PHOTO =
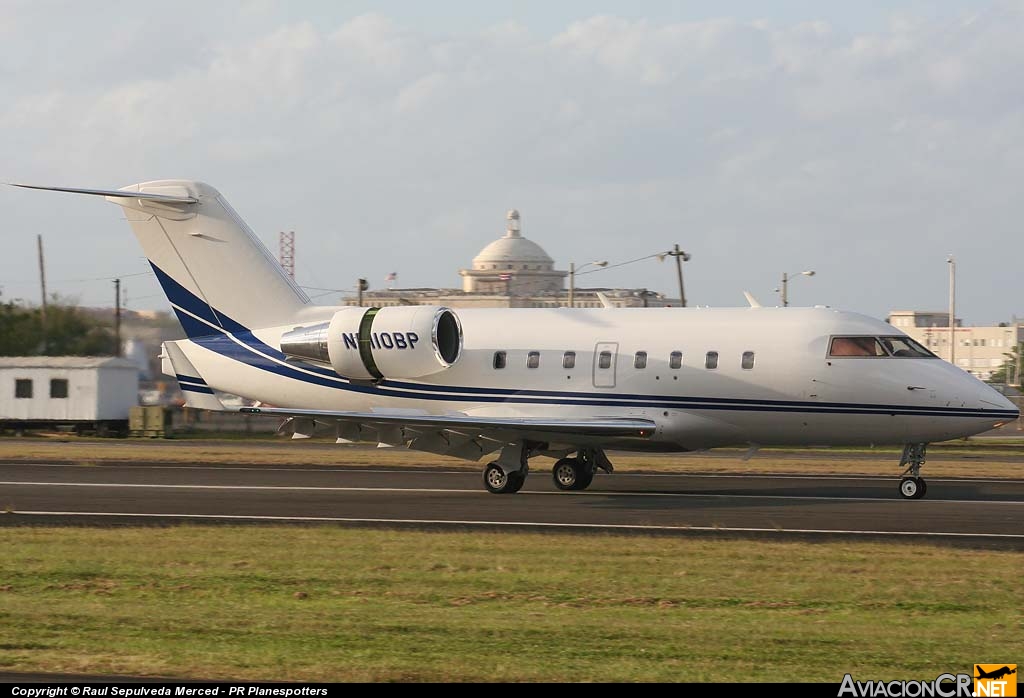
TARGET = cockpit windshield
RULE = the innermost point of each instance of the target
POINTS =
(906, 347)
(856, 346)
(880, 347)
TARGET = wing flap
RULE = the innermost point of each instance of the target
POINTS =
(471, 426)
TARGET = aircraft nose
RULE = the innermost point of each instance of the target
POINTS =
(988, 398)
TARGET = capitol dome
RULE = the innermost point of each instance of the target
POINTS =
(513, 251)
(512, 264)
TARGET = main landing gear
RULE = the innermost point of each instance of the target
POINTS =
(497, 481)
(913, 486)
(507, 475)
(572, 474)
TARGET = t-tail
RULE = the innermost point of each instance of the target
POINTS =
(215, 271)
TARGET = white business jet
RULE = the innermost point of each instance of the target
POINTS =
(565, 383)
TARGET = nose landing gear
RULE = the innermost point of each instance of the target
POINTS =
(912, 485)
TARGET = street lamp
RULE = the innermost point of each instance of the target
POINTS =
(785, 283)
(572, 279)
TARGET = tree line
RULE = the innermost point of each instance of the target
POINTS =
(65, 330)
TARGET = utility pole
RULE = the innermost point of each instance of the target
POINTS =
(117, 317)
(785, 284)
(361, 285)
(42, 283)
(572, 284)
(1020, 360)
(952, 309)
(680, 258)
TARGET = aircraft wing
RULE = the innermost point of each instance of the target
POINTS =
(459, 435)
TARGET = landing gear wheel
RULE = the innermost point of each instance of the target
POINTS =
(516, 481)
(572, 474)
(497, 481)
(586, 476)
(913, 487)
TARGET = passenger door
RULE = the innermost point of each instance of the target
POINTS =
(605, 355)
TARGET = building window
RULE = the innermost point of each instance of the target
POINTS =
(748, 360)
(23, 388)
(675, 360)
(711, 360)
(533, 359)
(569, 359)
(499, 359)
(640, 359)
(604, 359)
(58, 387)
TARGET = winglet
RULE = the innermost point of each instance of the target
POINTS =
(750, 299)
(117, 193)
(605, 303)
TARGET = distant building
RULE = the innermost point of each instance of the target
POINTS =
(67, 390)
(980, 351)
(512, 272)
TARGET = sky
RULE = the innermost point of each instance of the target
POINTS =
(867, 141)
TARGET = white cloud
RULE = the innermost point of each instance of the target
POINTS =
(759, 146)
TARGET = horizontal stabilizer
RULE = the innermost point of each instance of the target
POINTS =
(115, 193)
(197, 393)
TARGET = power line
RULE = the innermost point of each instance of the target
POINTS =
(622, 264)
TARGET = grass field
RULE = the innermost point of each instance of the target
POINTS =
(332, 604)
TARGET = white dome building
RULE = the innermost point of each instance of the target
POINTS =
(513, 265)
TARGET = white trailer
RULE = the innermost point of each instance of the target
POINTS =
(83, 393)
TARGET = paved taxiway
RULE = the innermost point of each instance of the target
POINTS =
(956, 510)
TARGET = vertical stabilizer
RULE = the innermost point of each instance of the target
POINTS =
(212, 267)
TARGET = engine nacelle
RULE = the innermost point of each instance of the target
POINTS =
(408, 341)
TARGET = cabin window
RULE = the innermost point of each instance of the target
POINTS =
(748, 360)
(58, 387)
(640, 359)
(23, 388)
(569, 359)
(675, 360)
(533, 359)
(855, 346)
(604, 359)
(500, 359)
(711, 359)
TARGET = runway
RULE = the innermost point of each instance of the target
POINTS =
(972, 511)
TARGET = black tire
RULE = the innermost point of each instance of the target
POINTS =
(516, 481)
(924, 488)
(567, 474)
(912, 488)
(586, 476)
(497, 481)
